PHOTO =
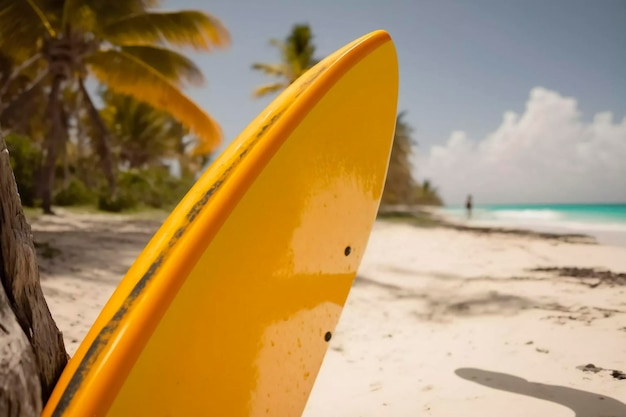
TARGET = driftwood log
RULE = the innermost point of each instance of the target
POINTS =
(32, 352)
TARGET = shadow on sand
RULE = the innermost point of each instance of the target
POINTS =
(583, 403)
(434, 306)
(76, 245)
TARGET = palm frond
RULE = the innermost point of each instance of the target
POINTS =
(16, 72)
(128, 75)
(185, 28)
(21, 30)
(278, 70)
(82, 17)
(266, 89)
(69, 7)
(299, 50)
(282, 47)
(74, 11)
(25, 106)
(42, 17)
(296, 53)
(177, 68)
(140, 122)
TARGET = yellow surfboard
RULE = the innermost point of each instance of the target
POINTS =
(229, 309)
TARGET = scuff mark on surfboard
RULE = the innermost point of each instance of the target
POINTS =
(309, 81)
(199, 205)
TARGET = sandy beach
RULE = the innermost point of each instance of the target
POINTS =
(440, 322)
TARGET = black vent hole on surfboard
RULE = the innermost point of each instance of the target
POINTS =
(327, 336)
(347, 251)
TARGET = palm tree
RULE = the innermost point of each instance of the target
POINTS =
(427, 194)
(123, 44)
(296, 53)
(144, 135)
(400, 185)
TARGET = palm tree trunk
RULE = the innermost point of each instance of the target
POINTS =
(82, 169)
(64, 155)
(32, 353)
(103, 146)
(53, 141)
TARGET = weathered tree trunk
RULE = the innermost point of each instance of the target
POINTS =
(32, 352)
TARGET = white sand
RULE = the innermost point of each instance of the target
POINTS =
(439, 322)
(431, 302)
(90, 255)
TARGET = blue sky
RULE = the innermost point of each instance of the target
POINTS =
(463, 64)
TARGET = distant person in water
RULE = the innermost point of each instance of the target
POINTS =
(468, 206)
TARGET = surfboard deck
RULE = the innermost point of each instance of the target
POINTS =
(229, 309)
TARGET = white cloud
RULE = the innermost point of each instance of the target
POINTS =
(548, 154)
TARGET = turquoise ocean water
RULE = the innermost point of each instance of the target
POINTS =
(605, 222)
